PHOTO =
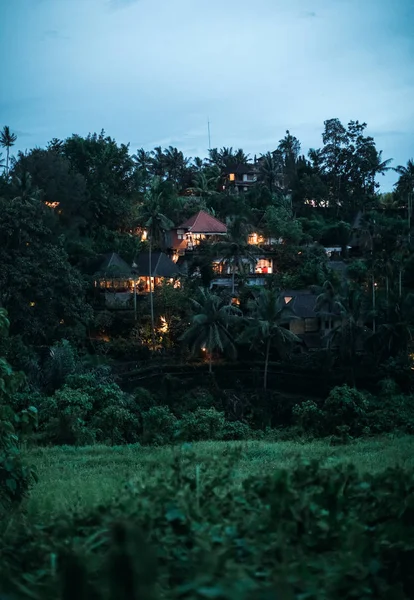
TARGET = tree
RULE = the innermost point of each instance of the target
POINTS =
(289, 148)
(43, 293)
(7, 140)
(210, 325)
(108, 170)
(235, 251)
(267, 325)
(156, 224)
(143, 162)
(328, 302)
(62, 187)
(350, 335)
(405, 183)
(271, 171)
(175, 166)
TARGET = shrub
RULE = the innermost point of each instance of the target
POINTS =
(116, 425)
(305, 532)
(346, 406)
(60, 363)
(143, 399)
(345, 411)
(159, 426)
(203, 424)
(235, 430)
(309, 417)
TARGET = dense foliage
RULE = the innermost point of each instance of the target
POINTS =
(195, 532)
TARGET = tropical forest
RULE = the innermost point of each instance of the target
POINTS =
(206, 371)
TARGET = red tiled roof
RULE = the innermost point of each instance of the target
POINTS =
(202, 222)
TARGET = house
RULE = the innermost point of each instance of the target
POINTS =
(115, 279)
(241, 177)
(199, 227)
(162, 269)
(308, 325)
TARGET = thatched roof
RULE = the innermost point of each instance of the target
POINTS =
(161, 265)
(114, 266)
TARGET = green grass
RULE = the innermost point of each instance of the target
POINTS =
(83, 477)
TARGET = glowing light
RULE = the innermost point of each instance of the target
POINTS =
(32, 303)
(164, 325)
(288, 299)
(52, 204)
(255, 238)
(203, 349)
(232, 177)
(144, 235)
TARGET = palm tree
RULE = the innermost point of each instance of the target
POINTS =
(2, 165)
(205, 186)
(7, 140)
(405, 183)
(158, 162)
(210, 326)
(271, 170)
(327, 302)
(143, 162)
(156, 225)
(26, 191)
(351, 333)
(270, 315)
(175, 164)
(235, 251)
(396, 333)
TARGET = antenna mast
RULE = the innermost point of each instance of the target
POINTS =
(209, 136)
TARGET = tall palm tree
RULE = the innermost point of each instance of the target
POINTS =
(143, 163)
(7, 140)
(2, 165)
(210, 326)
(156, 224)
(405, 183)
(267, 324)
(24, 188)
(175, 164)
(270, 171)
(327, 302)
(351, 333)
(235, 251)
(396, 333)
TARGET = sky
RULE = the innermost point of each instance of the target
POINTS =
(153, 72)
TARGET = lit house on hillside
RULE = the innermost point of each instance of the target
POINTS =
(118, 282)
(196, 229)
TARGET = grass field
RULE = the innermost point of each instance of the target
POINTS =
(82, 477)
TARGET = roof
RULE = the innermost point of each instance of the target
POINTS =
(202, 222)
(161, 265)
(114, 265)
(241, 169)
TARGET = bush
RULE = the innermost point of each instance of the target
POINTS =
(63, 418)
(159, 426)
(203, 424)
(235, 430)
(344, 413)
(128, 349)
(116, 425)
(310, 418)
(195, 531)
(143, 399)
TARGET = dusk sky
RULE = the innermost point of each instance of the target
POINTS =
(151, 72)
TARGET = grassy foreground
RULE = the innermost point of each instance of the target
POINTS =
(80, 478)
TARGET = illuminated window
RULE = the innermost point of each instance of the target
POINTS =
(232, 177)
(264, 265)
(288, 299)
